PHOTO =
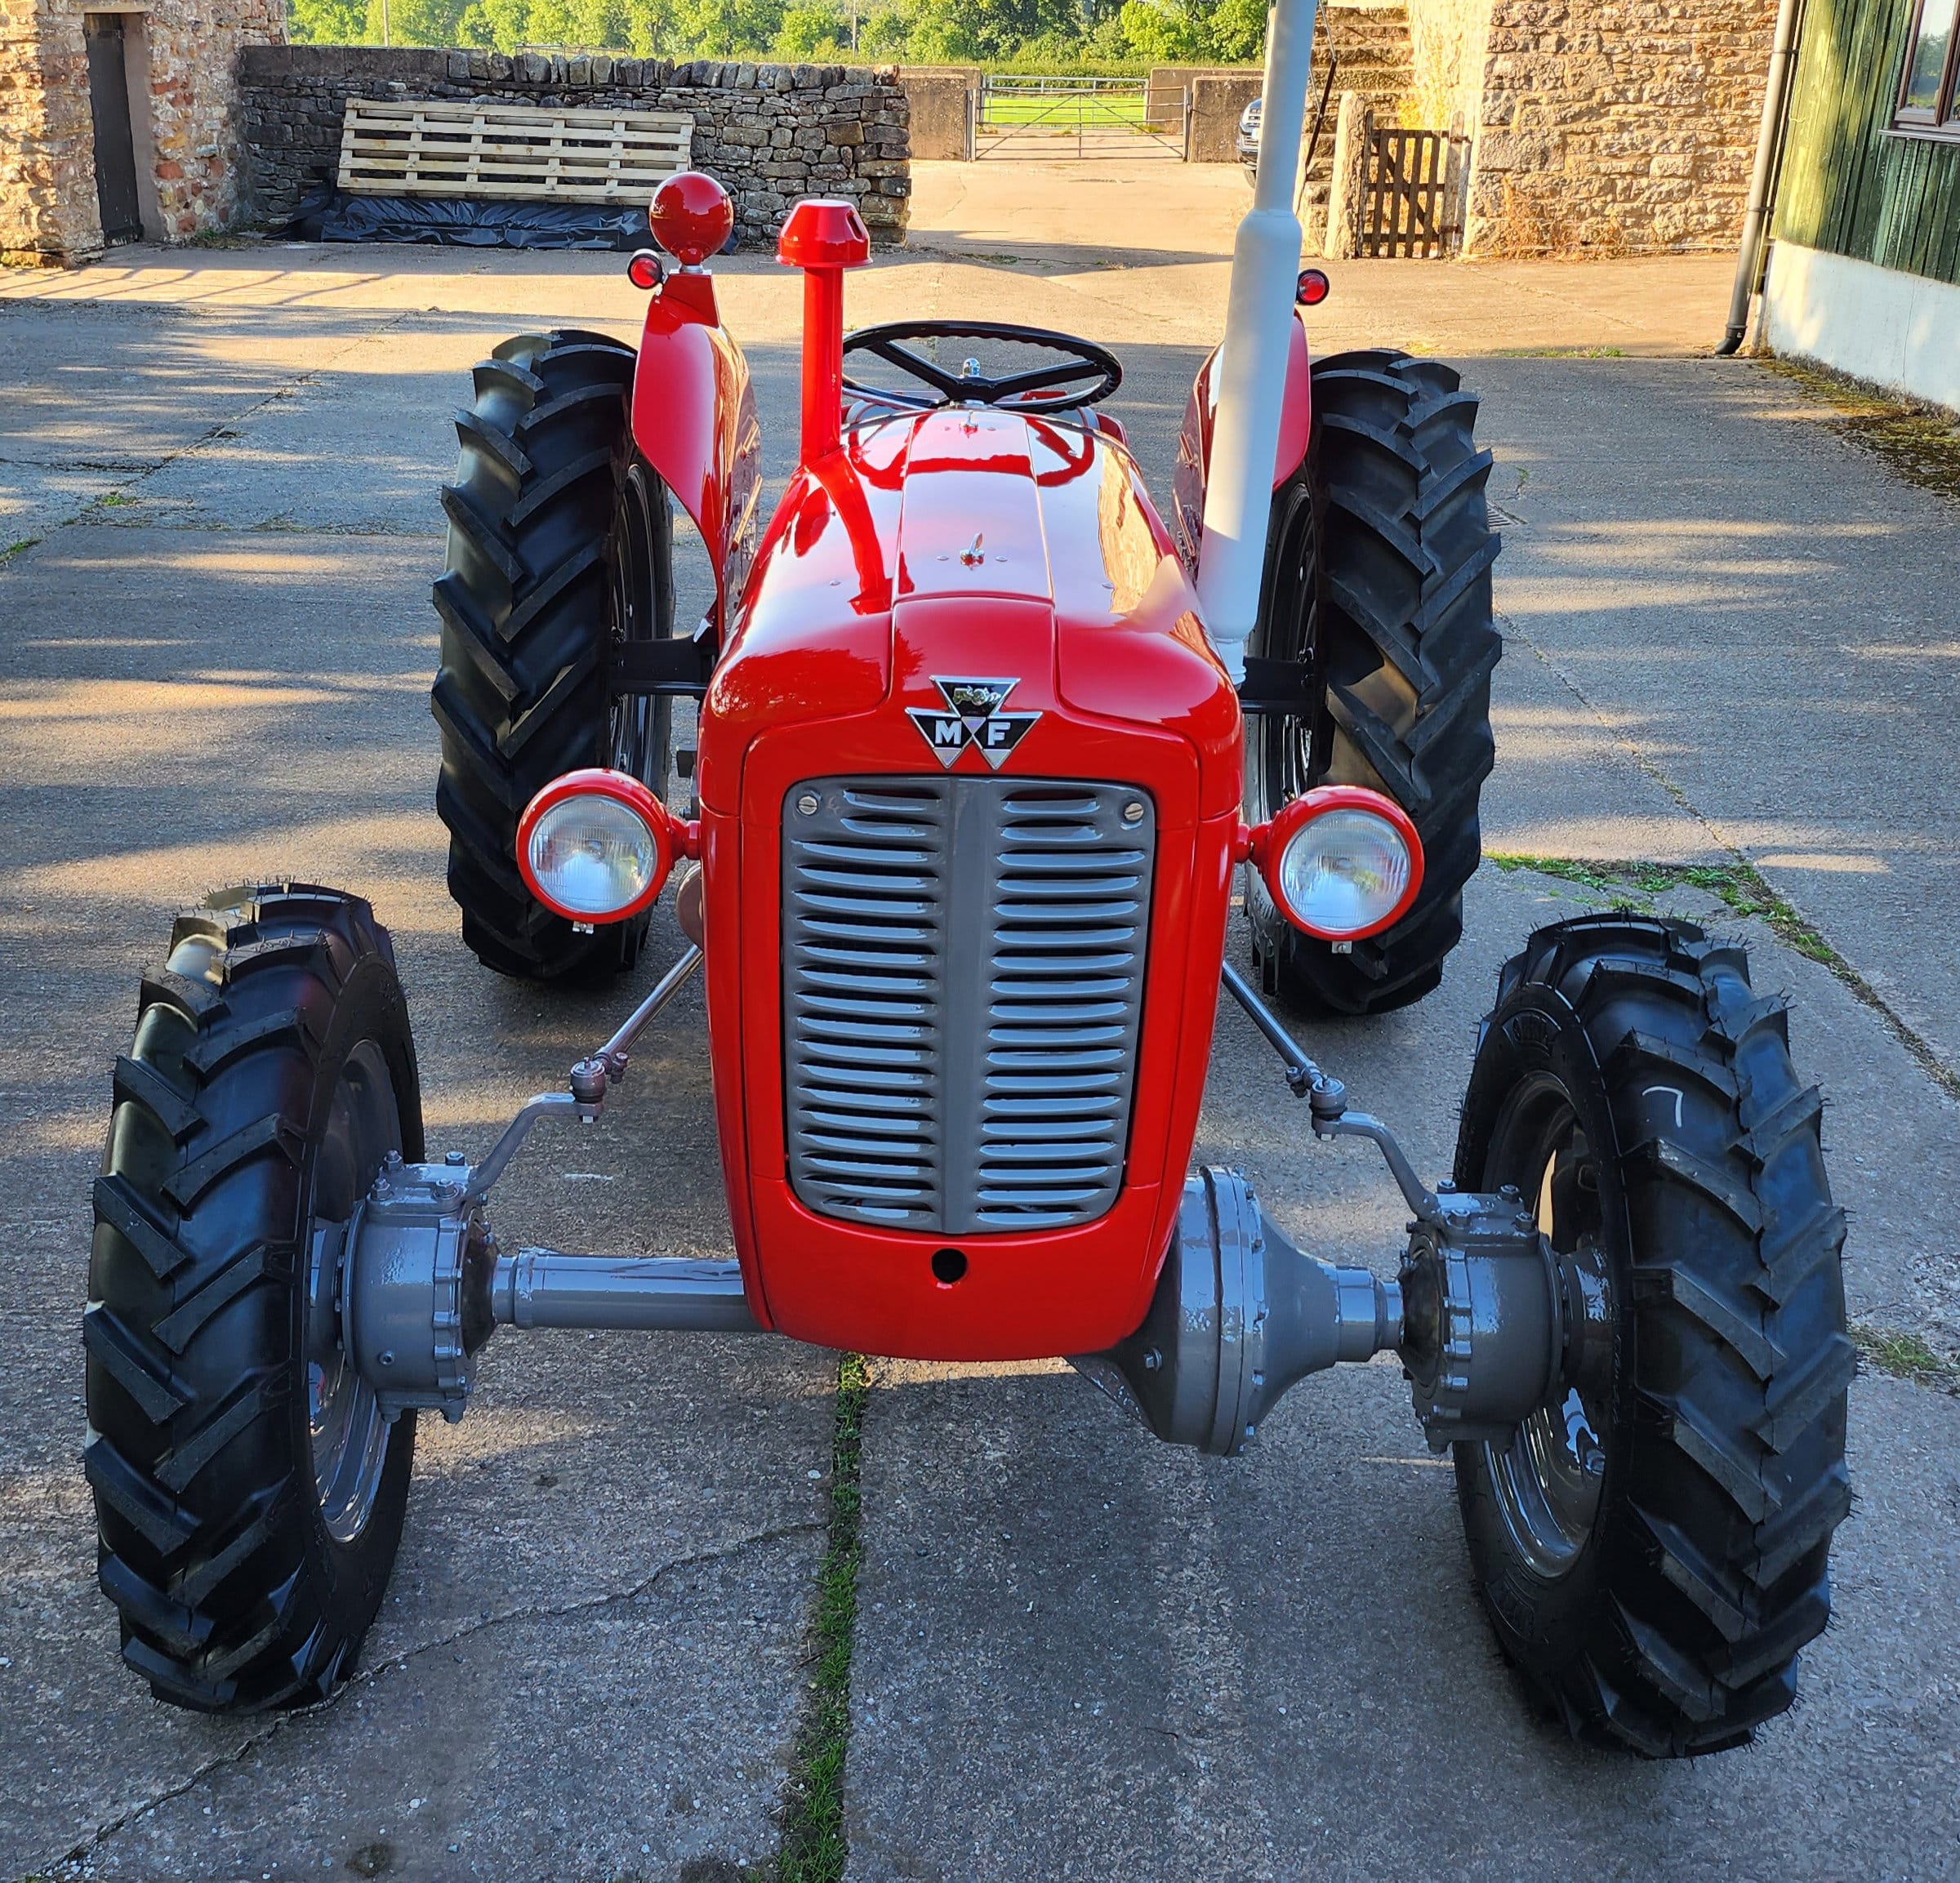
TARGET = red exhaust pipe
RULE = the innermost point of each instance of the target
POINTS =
(823, 236)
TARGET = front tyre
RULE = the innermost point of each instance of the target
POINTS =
(560, 548)
(1377, 592)
(1652, 1545)
(249, 1495)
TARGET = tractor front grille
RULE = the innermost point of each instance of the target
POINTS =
(963, 978)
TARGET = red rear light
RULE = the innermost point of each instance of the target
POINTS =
(645, 270)
(1312, 287)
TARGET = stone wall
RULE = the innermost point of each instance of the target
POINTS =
(941, 101)
(1447, 41)
(1599, 127)
(768, 133)
(1218, 101)
(184, 103)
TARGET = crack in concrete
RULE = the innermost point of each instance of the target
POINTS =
(220, 431)
(134, 466)
(135, 519)
(1922, 1052)
(77, 1854)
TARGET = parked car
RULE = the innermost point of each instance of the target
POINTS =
(1247, 140)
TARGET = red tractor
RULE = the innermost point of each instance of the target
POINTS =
(983, 744)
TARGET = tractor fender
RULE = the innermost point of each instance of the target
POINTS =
(694, 421)
(1194, 442)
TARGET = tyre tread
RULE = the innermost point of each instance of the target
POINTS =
(200, 1523)
(1398, 601)
(520, 697)
(1740, 1356)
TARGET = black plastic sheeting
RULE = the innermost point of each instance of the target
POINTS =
(326, 215)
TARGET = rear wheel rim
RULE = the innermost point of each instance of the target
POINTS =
(349, 1436)
(1549, 1478)
(638, 729)
(1280, 754)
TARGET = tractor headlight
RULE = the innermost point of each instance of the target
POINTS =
(1342, 862)
(595, 846)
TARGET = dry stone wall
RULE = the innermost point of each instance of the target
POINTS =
(182, 54)
(769, 134)
(1602, 127)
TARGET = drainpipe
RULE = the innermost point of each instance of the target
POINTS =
(1250, 370)
(1769, 151)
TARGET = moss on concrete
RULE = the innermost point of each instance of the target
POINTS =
(813, 1846)
(1918, 442)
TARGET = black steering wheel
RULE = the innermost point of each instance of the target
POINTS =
(1041, 389)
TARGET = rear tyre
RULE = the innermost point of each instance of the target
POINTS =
(560, 547)
(1652, 1546)
(248, 1495)
(1378, 578)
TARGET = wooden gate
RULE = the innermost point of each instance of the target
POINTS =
(1404, 195)
(1049, 119)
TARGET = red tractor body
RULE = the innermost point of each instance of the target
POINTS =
(931, 548)
(980, 749)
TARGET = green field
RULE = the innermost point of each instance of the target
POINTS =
(1064, 111)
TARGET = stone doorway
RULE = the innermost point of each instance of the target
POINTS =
(116, 195)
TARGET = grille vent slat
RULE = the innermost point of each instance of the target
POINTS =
(1064, 990)
(963, 964)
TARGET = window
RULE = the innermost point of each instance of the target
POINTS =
(1927, 90)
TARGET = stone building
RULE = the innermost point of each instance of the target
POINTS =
(1600, 126)
(119, 119)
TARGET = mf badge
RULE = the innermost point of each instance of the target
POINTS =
(973, 717)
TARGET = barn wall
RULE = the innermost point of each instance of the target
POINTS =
(1850, 185)
(1598, 127)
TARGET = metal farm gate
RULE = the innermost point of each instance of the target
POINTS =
(1054, 119)
(1405, 201)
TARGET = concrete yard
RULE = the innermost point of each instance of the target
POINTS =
(1731, 638)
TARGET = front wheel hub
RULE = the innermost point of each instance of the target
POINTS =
(1485, 1319)
(415, 1302)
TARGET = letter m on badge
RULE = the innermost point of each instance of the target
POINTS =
(973, 717)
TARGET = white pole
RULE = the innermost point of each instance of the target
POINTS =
(1250, 371)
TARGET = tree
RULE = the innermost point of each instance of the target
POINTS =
(1179, 31)
(960, 32)
(813, 31)
(329, 22)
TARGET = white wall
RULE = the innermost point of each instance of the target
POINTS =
(1899, 330)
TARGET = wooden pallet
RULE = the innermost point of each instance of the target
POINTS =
(477, 148)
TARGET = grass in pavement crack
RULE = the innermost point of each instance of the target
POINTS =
(1633, 885)
(1904, 1356)
(1736, 883)
(813, 1846)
